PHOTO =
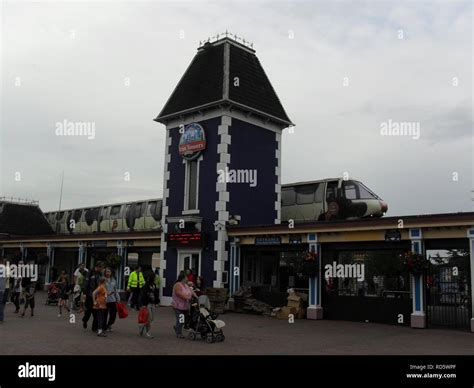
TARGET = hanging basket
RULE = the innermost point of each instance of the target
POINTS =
(414, 263)
(310, 264)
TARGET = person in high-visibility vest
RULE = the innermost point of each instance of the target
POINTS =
(136, 281)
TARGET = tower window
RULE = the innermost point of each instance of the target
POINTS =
(191, 185)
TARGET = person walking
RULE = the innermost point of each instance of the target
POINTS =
(99, 297)
(91, 284)
(182, 294)
(30, 290)
(3, 295)
(148, 298)
(16, 293)
(135, 282)
(113, 298)
(64, 291)
(80, 272)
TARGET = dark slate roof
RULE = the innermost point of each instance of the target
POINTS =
(209, 81)
(255, 89)
(200, 84)
(23, 220)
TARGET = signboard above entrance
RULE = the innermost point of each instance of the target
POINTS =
(192, 141)
(195, 239)
(276, 240)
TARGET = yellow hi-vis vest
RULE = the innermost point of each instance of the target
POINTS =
(134, 280)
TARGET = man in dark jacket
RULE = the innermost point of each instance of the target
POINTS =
(91, 284)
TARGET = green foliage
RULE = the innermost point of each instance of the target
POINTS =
(113, 260)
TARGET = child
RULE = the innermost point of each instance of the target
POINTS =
(64, 299)
(99, 296)
(29, 298)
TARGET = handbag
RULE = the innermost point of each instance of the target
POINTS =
(143, 315)
(122, 311)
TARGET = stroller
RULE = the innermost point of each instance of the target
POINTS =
(76, 304)
(203, 323)
(53, 294)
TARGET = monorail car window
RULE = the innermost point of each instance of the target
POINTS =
(305, 194)
(91, 215)
(157, 215)
(103, 212)
(60, 216)
(140, 209)
(351, 191)
(288, 196)
(115, 211)
(331, 191)
(365, 193)
(151, 208)
(154, 210)
(76, 215)
(319, 193)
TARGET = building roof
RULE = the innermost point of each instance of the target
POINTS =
(23, 220)
(211, 80)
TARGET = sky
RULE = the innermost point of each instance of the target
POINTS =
(342, 70)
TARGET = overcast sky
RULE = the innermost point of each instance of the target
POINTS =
(341, 70)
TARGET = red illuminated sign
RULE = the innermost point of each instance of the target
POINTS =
(185, 239)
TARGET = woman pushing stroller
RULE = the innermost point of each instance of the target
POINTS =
(182, 295)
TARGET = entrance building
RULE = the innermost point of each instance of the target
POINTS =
(222, 160)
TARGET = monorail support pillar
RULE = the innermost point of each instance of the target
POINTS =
(82, 253)
(470, 235)
(234, 270)
(315, 310)
(50, 254)
(122, 252)
(418, 316)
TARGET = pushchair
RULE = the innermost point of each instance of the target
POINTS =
(53, 294)
(76, 304)
(203, 323)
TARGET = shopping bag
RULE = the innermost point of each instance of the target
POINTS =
(143, 315)
(122, 311)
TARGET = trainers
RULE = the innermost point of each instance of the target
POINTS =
(60, 315)
(179, 336)
(109, 329)
(100, 333)
(148, 335)
(84, 325)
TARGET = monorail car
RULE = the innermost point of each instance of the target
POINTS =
(121, 217)
(329, 199)
(326, 199)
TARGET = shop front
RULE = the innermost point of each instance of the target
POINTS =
(366, 284)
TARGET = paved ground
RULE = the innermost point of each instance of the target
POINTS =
(245, 335)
